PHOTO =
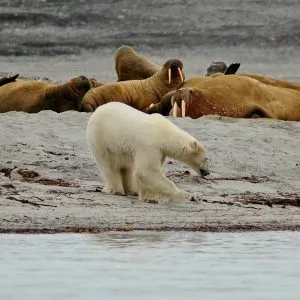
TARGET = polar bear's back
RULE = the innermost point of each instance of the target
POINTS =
(119, 128)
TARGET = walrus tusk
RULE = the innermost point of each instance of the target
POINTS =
(172, 101)
(183, 105)
(180, 74)
(169, 73)
(151, 105)
(175, 109)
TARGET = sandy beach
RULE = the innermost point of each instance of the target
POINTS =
(50, 182)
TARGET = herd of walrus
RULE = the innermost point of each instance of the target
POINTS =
(160, 89)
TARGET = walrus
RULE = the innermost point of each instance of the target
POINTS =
(220, 68)
(5, 80)
(216, 67)
(33, 96)
(164, 106)
(137, 93)
(239, 97)
(131, 66)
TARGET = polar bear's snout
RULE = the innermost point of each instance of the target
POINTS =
(204, 168)
(204, 172)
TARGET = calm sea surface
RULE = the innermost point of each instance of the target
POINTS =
(151, 265)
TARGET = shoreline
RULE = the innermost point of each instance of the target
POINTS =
(98, 231)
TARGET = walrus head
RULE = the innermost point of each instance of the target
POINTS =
(180, 100)
(216, 67)
(174, 69)
(68, 96)
(124, 50)
(130, 65)
(80, 85)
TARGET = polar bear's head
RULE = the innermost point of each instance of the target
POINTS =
(196, 158)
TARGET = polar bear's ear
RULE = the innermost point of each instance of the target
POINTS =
(196, 147)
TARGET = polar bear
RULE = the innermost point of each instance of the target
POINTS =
(131, 146)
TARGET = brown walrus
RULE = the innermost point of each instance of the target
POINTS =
(34, 96)
(5, 80)
(137, 93)
(239, 97)
(131, 66)
(164, 106)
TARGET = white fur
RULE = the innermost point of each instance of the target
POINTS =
(130, 148)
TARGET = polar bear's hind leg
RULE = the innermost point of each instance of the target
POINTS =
(113, 180)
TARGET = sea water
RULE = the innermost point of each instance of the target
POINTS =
(150, 265)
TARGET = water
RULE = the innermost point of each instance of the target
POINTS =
(151, 265)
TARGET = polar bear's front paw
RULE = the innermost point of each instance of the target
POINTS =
(120, 193)
(181, 197)
(113, 191)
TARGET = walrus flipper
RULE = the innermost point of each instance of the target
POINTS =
(5, 80)
(232, 69)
